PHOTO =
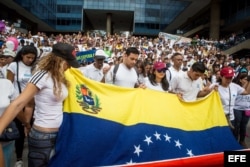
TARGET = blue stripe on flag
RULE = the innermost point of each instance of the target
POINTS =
(89, 141)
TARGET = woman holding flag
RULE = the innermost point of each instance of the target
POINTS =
(49, 87)
(157, 80)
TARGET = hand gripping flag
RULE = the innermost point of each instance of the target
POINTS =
(107, 125)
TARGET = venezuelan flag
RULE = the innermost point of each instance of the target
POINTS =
(106, 125)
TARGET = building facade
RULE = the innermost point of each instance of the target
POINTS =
(147, 17)
(209, 18)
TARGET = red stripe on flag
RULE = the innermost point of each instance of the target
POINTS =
(208, 160)
(215, 160)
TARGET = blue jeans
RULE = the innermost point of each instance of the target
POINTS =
(240, 125)
(8, 150)
(41, 147)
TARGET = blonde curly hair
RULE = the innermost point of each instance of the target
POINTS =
(55, 67)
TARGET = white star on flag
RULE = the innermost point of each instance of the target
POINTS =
(130, 162)
(189, 152)
(178, 144)
(148, 140)
(167, 138)
(137, 150)
(157, 135)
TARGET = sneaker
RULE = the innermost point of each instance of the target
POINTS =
(19, 163)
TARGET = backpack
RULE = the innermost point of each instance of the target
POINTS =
(170, 75)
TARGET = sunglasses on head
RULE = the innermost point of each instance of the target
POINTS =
(161, 70)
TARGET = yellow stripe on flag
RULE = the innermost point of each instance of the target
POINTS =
(151, 107)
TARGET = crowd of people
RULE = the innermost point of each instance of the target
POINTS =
(32, 77)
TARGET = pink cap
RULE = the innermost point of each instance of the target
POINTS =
(227, 72)
(159, 66)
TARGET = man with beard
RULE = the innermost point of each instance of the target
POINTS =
(125, 74)
(98, 69)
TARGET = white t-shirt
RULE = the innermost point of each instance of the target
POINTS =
(46, 49)
(171, 73)
(92, 72)
(125, 77)
(157, 87)
(3, 71)
(213, 79)
(48, 109)
(24, 74)
(109, 77)
(189, 88)
(226, 94)
(7, 94)
(242, 102)
(142, 79)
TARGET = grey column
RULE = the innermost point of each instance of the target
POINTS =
(215, 20)
(108, 23)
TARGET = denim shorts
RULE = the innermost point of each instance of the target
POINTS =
(41, 147)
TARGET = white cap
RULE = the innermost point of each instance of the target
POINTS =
(100, 54)
(8, 52)
(110, 60)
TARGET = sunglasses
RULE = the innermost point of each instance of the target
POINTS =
(161, 70)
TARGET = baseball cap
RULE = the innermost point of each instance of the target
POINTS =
(243, 70)
(65, 51)
(8, 52)
(227, 72)
(159, 66)
(100, 54)
(110, 60)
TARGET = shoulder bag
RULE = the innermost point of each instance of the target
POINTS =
(10, 132)
(228, 115)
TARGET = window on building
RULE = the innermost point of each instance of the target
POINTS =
(63, 9)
